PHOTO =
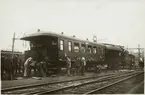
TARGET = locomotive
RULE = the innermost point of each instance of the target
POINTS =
(55, 47)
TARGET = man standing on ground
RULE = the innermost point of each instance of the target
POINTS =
(83, 64)
(78, 65)
(15, 64)
(26, 66)
(68, 67)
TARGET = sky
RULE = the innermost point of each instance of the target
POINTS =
(120, 22)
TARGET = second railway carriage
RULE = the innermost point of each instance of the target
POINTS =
(113, 56)
(55, 47)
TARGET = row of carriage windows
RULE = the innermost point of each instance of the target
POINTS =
(76, 47)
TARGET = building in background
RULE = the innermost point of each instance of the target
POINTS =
(9, 53)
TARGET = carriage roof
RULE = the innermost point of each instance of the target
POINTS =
(52, 34)
(114, 47)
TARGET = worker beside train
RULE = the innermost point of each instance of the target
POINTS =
(7, 68)
(83, 64)
(40, 67)
(15, 64)
(2, 66)
(78, 65)
(27, 65)
(37, 66)
(11, 67)
(18, 65)
(68, 65)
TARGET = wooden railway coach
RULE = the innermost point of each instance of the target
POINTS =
(113, 56)
(55, 47)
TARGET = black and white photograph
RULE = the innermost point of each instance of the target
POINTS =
(72, 46)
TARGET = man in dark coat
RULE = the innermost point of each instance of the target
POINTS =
(8, 67)
(2, 66)
(15, 65)
(78, 65)
(83, 64)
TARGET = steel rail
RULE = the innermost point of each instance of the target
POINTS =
(66, 87)
(76, 85)
(48, 83)
(111, 84)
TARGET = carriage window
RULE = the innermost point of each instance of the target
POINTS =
(89, 49)
(32, 45)
(69, 46)
(83, 48)
(94, 50)
(120, 54)
(76, 47)
(102, 50)
(98, 50)
(54, 43)
(61, 44)
(35, 45)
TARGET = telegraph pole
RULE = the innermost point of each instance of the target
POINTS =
(127, 48)
(139, 51)
(13, 43)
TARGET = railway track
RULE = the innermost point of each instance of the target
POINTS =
(60, 86)
(108, 86)
(46, 83)
(82, 88)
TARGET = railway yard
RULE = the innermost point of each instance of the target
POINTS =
(72, 47)
(120, 82)
(60, 64)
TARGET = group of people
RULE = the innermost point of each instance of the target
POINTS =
(79, 65)
(39, 68)
(11, 67)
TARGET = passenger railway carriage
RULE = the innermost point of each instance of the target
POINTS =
(56, 46)
(113, 56)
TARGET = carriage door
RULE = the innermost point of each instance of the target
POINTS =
(52, 50)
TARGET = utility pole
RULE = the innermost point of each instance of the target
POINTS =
(139, 51)
(127, 47)
(13, 43)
